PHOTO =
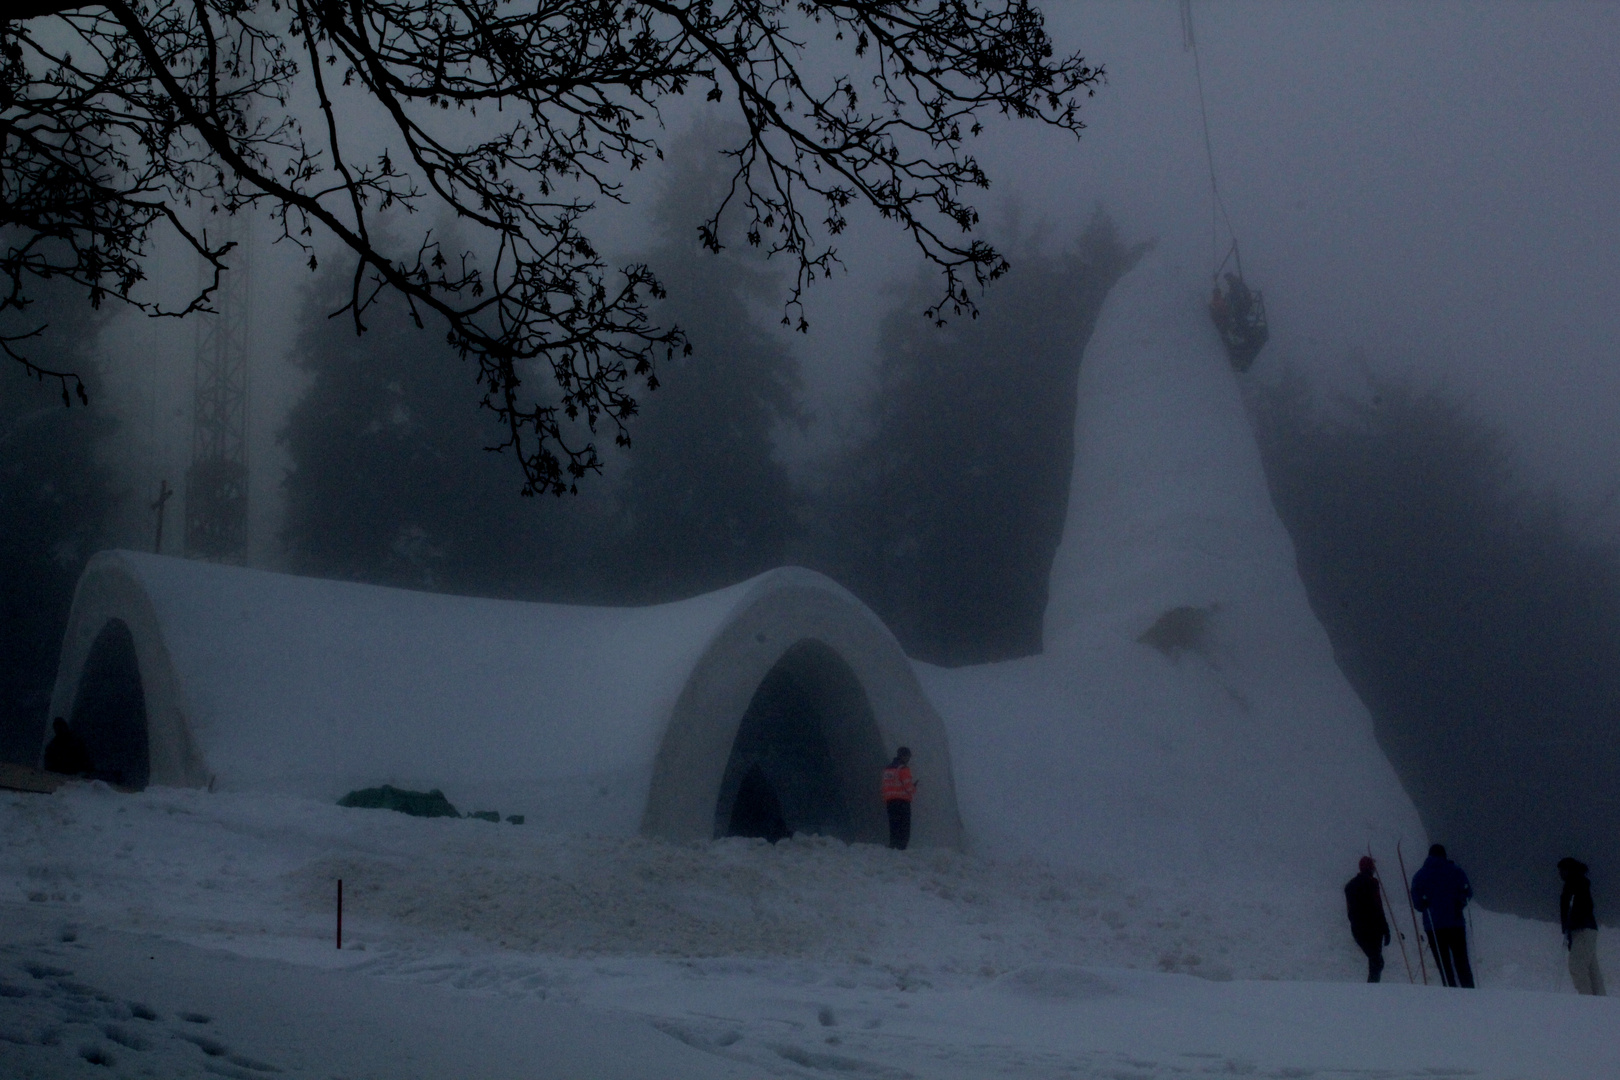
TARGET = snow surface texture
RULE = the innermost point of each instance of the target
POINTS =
(1187, 714)
(584, 718)
(176, 933)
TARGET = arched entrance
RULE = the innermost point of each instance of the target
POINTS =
(109, 710)
(806, 755)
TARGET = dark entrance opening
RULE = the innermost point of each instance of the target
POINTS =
(109, 711)
(805, 754)
(757, 811)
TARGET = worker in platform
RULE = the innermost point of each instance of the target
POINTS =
(1217, 309)
(1239, 303)
(899, 788)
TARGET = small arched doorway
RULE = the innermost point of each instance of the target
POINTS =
(109, 710)
(806, 756)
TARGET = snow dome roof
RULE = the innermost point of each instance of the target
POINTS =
(594, 719)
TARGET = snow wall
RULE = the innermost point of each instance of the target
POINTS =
(583, 719)
(1187, 712)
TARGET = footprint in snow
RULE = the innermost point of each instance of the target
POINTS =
(124, 1037)
(823, 1061)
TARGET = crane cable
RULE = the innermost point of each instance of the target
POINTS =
(1217, 209)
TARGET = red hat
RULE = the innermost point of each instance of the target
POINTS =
(1367, 864)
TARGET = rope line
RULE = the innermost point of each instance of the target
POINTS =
(1217, 208)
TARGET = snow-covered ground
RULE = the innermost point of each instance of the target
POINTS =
(480, 949)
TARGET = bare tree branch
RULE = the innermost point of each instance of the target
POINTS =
(120, 119)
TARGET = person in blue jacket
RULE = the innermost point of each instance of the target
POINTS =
(1440, 890)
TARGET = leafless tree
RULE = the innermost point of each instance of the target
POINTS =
(123, 118)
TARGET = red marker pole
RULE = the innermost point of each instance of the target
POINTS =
(340, 914)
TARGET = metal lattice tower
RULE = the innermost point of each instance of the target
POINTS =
(217, 481)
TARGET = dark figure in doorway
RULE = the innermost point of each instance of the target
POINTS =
(66, 752)
(1440, 890)
(899, 788)
(757, 811)
(1579, 920)
(1367, 923)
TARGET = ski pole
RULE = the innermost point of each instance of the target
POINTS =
(1471, 948)
(1407, 889)
(1390, 910)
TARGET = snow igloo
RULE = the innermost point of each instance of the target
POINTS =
(766, 708)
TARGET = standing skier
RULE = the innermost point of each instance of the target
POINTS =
(1440, 890)
(1579, 921)
(899, 788)
(1367, 923)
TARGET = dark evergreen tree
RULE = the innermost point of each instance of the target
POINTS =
(946, 518)
(55, 503)
(705, 501)
(391, 481)
(1480, 628)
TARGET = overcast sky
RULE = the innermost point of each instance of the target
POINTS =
(1437, 184)
(1432, 184)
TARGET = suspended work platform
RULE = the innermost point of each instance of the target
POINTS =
(1239, 313)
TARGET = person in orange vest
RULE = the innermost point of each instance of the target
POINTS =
(899, 787)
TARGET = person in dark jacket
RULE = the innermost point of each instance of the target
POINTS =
(66, 752)
(1368, 926)
(1440, 890)
(1579, 920)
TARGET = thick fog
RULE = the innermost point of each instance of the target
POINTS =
(1425, 193)
(1427, 186)
(1429, 183)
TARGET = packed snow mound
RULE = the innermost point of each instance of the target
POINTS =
(1168, 503)
(492, 905)
(581, 719)
(1187, 712)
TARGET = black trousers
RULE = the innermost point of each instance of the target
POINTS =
(899, 823)
(1451, 954)
(1373, 946)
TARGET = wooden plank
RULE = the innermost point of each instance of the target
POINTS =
(26, 778)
